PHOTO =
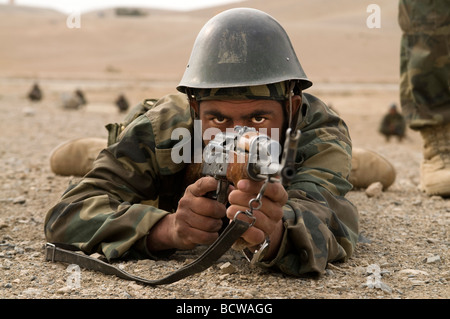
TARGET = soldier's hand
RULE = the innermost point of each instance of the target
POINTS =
(268, 217)
(196, 221)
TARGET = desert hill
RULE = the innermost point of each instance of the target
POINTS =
(331, 39)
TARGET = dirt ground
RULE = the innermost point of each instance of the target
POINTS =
(404, 238)
(403, 253)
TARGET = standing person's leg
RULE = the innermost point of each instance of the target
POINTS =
(425, 85)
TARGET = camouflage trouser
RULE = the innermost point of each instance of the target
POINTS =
(425, 61)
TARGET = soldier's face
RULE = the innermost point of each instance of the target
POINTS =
(224, 115)
(260, 114)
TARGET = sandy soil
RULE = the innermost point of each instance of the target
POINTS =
(404, 232)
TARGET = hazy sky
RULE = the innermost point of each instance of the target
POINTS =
(68, 6)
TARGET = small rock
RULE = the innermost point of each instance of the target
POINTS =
(19, 250)
(414, 272)
(125, 295)
(374, 189)
(134, 286)
(385, 287)
(416, 282)
(64, 290)
(223, 276)
(188, 261)
(28, 111)
(363, 239)
(329, 272)
(19, 200)
(227, 268)
(417, 202)
(248, 295)
(432, 259)
(32, 292)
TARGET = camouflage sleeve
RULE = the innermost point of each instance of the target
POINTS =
(107, 211)
(321, 225)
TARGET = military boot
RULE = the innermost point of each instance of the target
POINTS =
(435, 167)
(76, 157)
(369, 167)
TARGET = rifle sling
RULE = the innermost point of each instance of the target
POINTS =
(226, 239)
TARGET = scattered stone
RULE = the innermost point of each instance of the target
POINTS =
(125, 295)
(329, 272)
(248, 295)
(334, 267)
(432, 259)
(385, 288)
(64, 290)
(227, 268)
(19, 200)
(28, 111)
(374, 189)
(363, 239)
(32, 292)
(417, 202)
(188, 261)
(134, 286)
(223, 276)
(414, 272)
(416, 282)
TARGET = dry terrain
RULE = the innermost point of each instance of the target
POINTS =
(404, 233)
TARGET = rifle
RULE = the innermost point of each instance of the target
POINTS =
(245, 153)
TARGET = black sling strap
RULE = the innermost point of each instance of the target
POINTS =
(226, 239)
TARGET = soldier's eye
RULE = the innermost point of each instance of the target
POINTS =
(219, 120)
(258, 119)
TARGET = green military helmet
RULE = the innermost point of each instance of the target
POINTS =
(242, 47)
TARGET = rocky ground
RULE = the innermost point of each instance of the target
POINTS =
(405, 234)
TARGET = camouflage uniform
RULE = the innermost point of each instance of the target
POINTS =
(425, 62)
(135, 183)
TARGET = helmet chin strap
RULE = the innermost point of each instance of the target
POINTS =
(293, 118)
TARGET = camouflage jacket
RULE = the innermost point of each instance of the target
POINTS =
(134, 183)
